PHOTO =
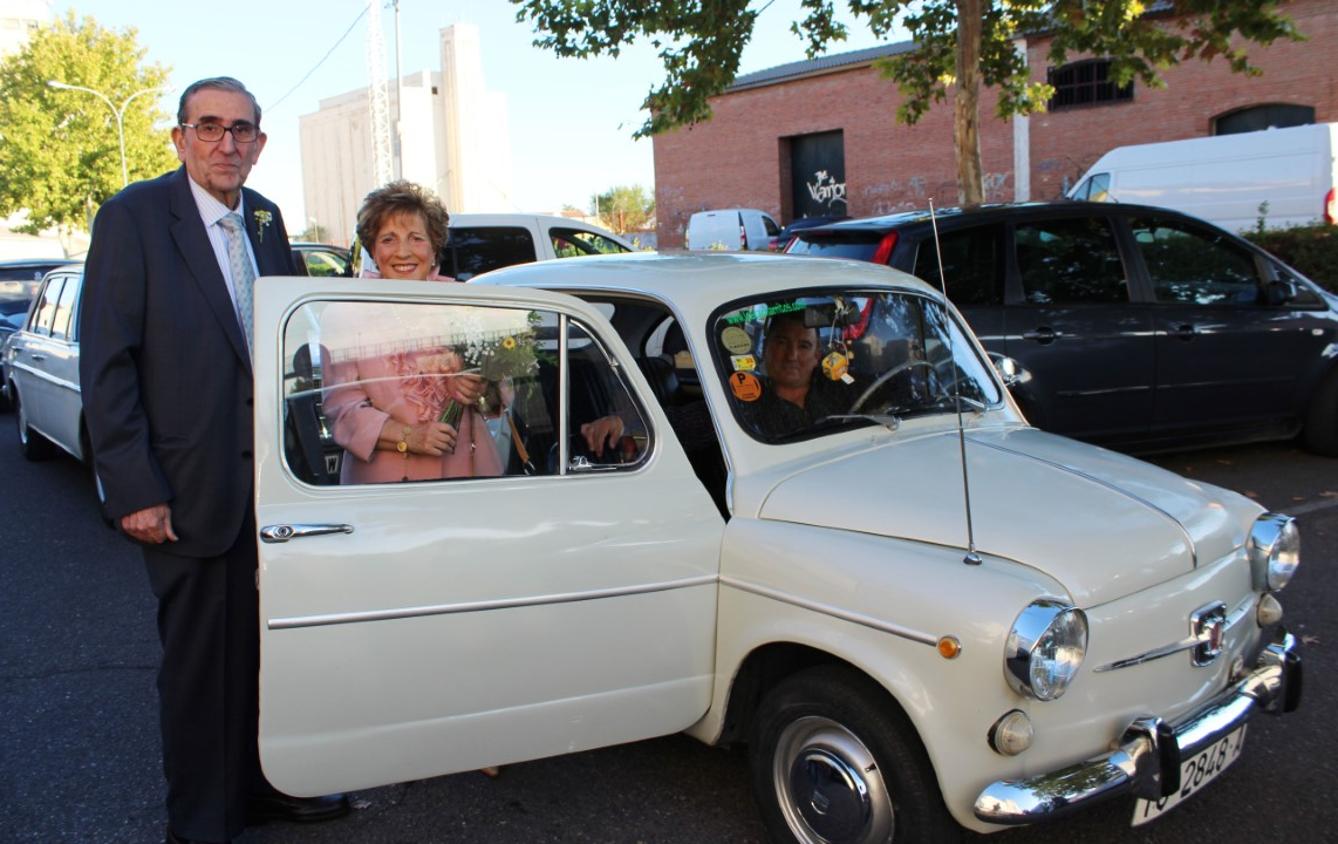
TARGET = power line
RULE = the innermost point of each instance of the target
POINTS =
(316, 67)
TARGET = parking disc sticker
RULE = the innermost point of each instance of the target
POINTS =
(736, 340)
(746, 386)
(743, 363)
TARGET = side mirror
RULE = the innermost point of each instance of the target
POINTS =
(1010, 371)
(1279, 292)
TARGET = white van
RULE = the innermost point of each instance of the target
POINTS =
(731, 229)
(1225, 179)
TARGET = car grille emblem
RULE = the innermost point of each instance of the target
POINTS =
(1206, 625)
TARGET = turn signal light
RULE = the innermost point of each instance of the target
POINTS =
(949, 647)
(1012, 733)
(1269, 611)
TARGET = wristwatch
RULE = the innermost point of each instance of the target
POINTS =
(403, 446)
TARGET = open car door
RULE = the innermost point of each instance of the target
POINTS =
(538, 601)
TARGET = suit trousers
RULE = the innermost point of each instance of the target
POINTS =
(208, 685)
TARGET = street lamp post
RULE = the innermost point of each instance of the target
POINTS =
(119, 112)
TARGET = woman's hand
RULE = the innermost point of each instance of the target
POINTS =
(430, 438)
(467, 388)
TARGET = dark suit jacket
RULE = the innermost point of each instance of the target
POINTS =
(163, 365)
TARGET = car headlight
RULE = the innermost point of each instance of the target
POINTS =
(1045, 648)
(1275, 551)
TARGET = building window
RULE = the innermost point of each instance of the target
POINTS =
(1270, 116)
(1085, 83)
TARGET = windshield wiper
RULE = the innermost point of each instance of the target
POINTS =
(887, 420)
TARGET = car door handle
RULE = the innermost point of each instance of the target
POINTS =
(1043, 335)
(37, 357)
(283, 533)
(1186, 331)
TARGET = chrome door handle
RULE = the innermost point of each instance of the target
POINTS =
(36, 356)
(1043, 335)
(283, 533)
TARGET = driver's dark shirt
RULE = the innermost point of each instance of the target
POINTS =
(772, 417)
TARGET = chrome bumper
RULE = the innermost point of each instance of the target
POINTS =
(1147, 762)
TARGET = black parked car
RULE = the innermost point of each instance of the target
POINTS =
(1136, 327)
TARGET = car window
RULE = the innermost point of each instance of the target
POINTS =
(972, 265)
(771, 227)
(363, 377)
(45, 312)
(1095, 188)
(62, 326)
(324, 264)
(479, 249)
(572, 243)
(1195, 266)
(797, 367)
(859, 246)
(1070, 261)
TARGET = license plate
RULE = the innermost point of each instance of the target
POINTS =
(1195, 773)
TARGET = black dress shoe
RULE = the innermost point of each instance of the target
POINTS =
(281, 807)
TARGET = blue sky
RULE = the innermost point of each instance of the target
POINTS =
(571, 120)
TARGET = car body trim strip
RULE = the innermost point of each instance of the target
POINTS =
(484, 606)
(1189, 540)
(1235, 617)
(834, 612)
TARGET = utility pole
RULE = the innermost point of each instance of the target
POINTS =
(399, 99)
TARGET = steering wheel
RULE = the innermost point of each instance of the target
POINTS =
(884, 378)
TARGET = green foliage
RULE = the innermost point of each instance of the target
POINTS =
(59, 152)
(700, 42)
(625, 208)
(1313, 250)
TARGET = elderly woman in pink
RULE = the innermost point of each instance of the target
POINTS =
(386, 409)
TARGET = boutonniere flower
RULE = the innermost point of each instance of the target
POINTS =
(263, 219)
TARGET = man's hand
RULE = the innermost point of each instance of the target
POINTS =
(604, 430)
(152, 525)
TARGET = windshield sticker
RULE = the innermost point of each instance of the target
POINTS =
(736, 340)
(743, 363)
(759, 315)
(746, 386)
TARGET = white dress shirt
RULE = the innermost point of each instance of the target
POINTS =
(211, 211)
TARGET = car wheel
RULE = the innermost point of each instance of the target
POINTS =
(834, 761)
(33, 445)
(1321, 424)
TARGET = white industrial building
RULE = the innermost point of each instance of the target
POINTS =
(455, 140)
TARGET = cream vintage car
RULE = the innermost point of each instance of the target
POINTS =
(921, 613)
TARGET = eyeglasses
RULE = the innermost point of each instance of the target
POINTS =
(242, 133)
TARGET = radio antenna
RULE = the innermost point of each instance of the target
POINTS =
(971, 558)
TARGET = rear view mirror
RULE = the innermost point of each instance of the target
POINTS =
(1010, 371)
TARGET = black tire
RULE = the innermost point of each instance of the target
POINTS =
(33, 445)
(1321, 425)
(821, 735)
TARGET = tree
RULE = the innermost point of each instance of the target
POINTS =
(625, 208)
(60, 155)
(700, 42)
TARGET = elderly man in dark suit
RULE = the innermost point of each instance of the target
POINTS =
(165, 367)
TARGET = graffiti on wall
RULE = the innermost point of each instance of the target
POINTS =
(914, 192)
(825, 190)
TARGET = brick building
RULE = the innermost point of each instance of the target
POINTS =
(798, 139)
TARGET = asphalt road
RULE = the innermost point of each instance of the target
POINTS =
(80, 750)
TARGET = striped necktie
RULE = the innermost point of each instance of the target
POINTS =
(243, 275)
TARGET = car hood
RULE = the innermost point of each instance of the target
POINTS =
(1102, 524)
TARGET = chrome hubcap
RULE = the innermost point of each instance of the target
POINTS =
(829, 786)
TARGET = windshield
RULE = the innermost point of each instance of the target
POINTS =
(801, 366)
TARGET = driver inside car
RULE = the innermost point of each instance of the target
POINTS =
(795, 393)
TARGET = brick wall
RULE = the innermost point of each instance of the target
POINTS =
(737, 158)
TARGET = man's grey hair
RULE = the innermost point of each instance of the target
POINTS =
(216, 83)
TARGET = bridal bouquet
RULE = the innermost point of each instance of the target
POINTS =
(495, 357)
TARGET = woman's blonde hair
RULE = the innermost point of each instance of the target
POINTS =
(402, 197)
